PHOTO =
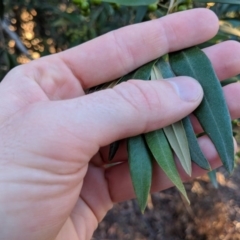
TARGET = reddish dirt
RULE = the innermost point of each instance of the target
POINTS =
(213, 214)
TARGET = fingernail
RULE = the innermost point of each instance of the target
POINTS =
(188, 89)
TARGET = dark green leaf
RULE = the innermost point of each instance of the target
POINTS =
(161, 151)
(141, 12)
(144, 72)
(195, 151)
(139, 155)
(113, 83)
(219, 1)
(113, 150)
(230, 80)
(212, 113)
(213, 177)
(140, 164)
(132, 2)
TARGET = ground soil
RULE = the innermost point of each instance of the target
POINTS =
(213, 214)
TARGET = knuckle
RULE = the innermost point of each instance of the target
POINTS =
(125, 54)
(140, 95)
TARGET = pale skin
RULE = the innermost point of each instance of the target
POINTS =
(54, 138)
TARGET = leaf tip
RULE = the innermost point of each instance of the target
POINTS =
(143, 210)
(229, 165)
(188, 171)
(113, 150)
(142, 205)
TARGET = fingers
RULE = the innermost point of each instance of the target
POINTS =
(119, 180)
(60, 82)
(100, 118)
(219, 53)
(119, 52)
(232, 97)
(135, 107)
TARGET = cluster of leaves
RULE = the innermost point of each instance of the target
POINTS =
(34, 28)
(180, 137)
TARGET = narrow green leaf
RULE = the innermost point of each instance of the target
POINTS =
(230, 81)
(113, 150)
(140, 164)
(162, 152)
(113, 83)
(156, 74)
(144, 72)
(132, 2)
(212, 113)
(195, 151)
(177, 138)
(141, 12)
(108, 85)
(164, 67)
(213, 177)
(126, 77)
(175, 133)
(218, 1)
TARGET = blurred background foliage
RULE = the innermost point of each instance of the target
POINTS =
(30, 29)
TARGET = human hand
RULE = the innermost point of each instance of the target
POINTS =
(54, 138)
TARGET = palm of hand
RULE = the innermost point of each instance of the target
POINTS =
(56, 164)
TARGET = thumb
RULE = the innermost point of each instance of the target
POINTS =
(135, 107)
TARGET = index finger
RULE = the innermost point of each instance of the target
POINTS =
(119, 52)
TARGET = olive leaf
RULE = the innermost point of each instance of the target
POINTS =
(132, 2)
(160, 149)
(175, 133)
(177, 138)
(140, 13)
(125, 77)
(113, 150)
(230, 80)
(218, 1)
(144, 72)
(156, 74)
(140, 164)
(213, 177)
(196, 153)
(212, 113)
